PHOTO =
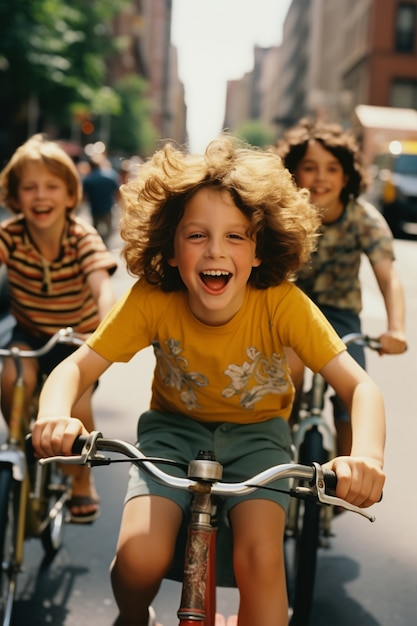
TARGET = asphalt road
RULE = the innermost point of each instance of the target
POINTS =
(368, 576)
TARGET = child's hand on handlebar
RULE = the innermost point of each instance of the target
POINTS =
(55, 436)
(392, 342)
(359, 479)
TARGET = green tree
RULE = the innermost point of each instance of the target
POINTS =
(256, 133)
(52, 61)
(132, 131)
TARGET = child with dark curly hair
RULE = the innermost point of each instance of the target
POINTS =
(214, 240)
(325, 159)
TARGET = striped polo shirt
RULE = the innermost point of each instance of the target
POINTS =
(46, 296)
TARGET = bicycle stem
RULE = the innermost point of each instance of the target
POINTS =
(198, 587)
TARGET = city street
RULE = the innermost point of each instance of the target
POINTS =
(368, 576)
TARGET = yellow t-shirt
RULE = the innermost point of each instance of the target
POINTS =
(236, 372)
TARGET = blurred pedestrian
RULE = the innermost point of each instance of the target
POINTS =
(59, 275)
(325, 159)
(101, 191)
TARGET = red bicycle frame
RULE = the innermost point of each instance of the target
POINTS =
(198, 598)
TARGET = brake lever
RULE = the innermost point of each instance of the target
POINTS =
(325, 498)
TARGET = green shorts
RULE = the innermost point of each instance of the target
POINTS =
(242, 449)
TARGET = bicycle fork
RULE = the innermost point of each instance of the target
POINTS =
(198, 598)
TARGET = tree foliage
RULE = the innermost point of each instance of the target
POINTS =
(53, 65)
(131, 131)
(256, 133)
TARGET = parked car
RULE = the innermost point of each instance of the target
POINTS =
(394, 187)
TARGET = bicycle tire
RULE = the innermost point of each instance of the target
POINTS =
(55, 487)
(307, 538)
(9, 499)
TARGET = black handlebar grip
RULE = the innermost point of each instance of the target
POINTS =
(78, 445)
(30, 450)
(330, 480)
(31, 459)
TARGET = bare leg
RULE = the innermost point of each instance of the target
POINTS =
(145, 549)
(258, 528)
(82, 479)
(8, 379)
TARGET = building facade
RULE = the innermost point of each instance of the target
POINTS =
(337, 54)
(146, 25)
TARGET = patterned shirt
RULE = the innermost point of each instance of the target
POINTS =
(236, 372)
(331, 277)
(46, 296)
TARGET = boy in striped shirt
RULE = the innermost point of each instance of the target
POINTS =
(58, 272)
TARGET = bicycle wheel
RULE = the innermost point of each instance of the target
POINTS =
(55, 491)
(307, 538)
(9, 499)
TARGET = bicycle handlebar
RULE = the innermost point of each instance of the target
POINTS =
(362, 340)
(86, 452)
(64, 335)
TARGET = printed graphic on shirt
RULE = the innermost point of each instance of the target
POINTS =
(172, 369)
(332, 275)
(255, 378)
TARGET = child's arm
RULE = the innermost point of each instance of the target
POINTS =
(56, 428)
(360, 476)
(102, 290)
(393, 341)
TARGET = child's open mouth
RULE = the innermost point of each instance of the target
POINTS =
(42, 210)
(215, 279)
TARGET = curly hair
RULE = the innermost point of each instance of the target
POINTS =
(335, 139)
(38, 149)
(282, 221)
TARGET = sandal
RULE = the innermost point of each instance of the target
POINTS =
(83, 518)
(152, 617)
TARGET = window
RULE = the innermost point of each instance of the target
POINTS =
(405, 28)
(404, 94)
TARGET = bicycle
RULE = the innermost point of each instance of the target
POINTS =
(309, 527)
(32, 497)
(198, 597)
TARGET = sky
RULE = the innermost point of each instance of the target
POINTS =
(215, 41)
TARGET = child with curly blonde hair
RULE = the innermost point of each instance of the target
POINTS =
(214, 240)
